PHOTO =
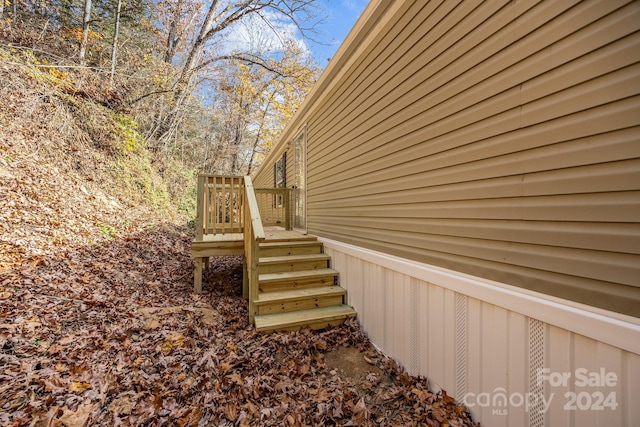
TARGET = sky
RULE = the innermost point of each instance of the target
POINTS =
(342, 15)
(268, 31)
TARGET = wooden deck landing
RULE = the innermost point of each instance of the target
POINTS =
(233, 244)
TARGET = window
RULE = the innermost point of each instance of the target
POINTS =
(280, 172)
(280, 179)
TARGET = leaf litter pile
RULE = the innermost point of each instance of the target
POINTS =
(99, 326)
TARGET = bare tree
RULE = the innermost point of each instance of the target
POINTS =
(114, 44)
(86, 18)
(219, 18)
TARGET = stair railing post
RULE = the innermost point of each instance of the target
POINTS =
(287, 209)
(253, 235)
(199, 225)
(200, 217)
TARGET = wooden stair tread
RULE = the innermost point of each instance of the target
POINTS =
(297, 319)
(279, 235)
(293, 258)
(298, 294)
(296, 275)
(312, 241)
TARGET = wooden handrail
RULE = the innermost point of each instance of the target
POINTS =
(252, 204)
(253, 235)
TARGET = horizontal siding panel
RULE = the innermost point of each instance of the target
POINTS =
(492, 137)
(621, 298)
(608, 207)
(419, 73)
(420, 99)
(611, 56)
(626, 82)
(604, 266)
(625, 299)
(607, 177)
(520, 172)
(402, 44)
(609, 88)
(623, 238)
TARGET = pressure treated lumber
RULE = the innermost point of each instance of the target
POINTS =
(299, 299)
(317, 318)
(297, 279)
(293, 262)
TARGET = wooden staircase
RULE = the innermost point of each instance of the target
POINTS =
(297, 288)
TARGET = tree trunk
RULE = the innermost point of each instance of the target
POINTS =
(85, 30)
(173, 37)
(256, 141)
(165, 125)
(114, 44)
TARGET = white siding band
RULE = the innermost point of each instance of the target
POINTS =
(608, 327)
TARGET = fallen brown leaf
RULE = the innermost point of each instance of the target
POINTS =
(79, 386)
(78, 418)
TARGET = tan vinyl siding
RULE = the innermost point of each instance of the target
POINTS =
(499, 139)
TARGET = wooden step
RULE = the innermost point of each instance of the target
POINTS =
(293, 263)
(272, 249)
(287, 237)
(316, 318)
(270, 282)
(299, 299)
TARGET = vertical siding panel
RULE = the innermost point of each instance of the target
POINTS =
(517, 372)
(374, 301)
(494, 363)
(448, 351)
(611, 360)
(414, 330)
(389, 310)
(356, 292)
(474, 350)
(406, 319)
(339, 263)
(366, 296)
(585, 357)
(424, 338)
(434, 326)
(397, 324)
(558, 359)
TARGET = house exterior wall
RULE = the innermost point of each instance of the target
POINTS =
(498, 141)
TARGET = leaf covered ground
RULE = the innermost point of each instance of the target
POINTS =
(111, 334)
(98, 324)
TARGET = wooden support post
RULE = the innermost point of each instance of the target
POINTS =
(206, 262)
(197, 276)
(252, 269)
(245, 279)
